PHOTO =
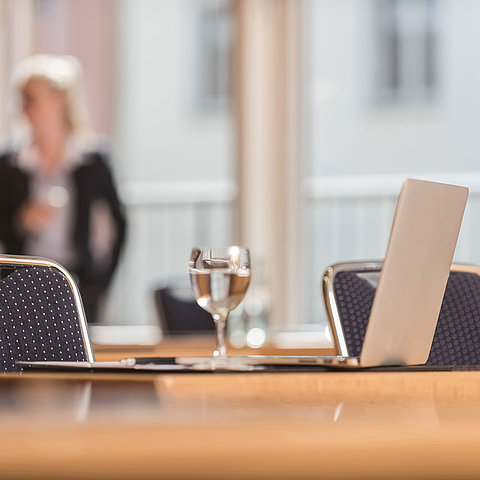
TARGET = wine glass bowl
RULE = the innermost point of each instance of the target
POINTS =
(219, 279)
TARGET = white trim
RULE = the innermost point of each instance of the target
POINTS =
(125, 334)
(183, 192)
(368, 186)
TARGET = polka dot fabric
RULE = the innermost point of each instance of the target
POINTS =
(354, 297)
(457, 337)
(38, 319)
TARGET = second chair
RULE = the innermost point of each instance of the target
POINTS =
(349, 290)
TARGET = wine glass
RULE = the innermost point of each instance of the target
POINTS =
(220, 279)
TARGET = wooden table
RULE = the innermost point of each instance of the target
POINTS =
(242, 425)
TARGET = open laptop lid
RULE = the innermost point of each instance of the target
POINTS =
(414, 275)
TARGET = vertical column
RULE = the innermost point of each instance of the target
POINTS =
(267, 130)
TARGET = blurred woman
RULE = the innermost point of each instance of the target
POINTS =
(57, 195)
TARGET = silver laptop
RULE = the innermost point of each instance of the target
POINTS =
(412, 282)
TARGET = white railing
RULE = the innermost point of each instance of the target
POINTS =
(165, 219)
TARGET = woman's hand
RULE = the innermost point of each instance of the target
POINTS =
(35, 216)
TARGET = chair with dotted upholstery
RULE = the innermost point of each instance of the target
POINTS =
(348, 293)
(41, 314)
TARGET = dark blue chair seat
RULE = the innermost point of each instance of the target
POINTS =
(457, 336)
(180, 314)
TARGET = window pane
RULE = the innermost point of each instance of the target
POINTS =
(173, 137)
(391, 89)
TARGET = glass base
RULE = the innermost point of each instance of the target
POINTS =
(222, 363)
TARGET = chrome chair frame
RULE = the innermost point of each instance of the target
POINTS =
(28, 261)
(371, 266)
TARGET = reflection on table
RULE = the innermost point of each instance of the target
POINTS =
(240, 425)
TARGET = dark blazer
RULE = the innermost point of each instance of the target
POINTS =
(92, 181)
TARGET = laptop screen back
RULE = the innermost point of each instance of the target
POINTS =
(414, 274)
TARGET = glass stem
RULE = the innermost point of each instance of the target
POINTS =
(220, 322)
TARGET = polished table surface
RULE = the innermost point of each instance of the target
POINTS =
(239, 425)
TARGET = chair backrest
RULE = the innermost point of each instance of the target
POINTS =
(41, 314)
(177, 310)
(348, 295)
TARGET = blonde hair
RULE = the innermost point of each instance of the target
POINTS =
(63, 74)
